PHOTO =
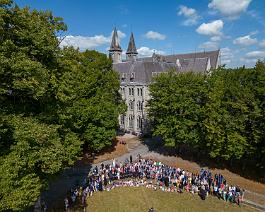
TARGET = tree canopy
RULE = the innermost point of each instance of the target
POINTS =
(53, 101)
(221, 114)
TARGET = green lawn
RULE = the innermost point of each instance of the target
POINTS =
(141, 199)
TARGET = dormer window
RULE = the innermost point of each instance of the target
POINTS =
(132, 76)
(178, 63)
(123, 76)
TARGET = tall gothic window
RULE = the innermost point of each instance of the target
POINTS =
(140, 105)
(131, 91)
(130, 121)
(131, 105)
(139, 122)
(122, 119)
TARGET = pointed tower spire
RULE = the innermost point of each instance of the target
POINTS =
(115, 49)
(115, 41)
(131, 53)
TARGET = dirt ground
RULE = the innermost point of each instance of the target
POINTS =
(122, 145)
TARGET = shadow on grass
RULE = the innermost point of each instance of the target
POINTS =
(246, 168)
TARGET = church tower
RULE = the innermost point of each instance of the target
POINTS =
(131, 53)
(115, 49)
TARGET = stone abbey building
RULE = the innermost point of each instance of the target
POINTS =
(136, 75)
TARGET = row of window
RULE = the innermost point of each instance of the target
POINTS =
(131, 91)
(131, 119)
(124, 76)
(132, 76)
(139, 105)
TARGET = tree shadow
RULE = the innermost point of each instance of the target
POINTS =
(246, 168)
(90, 156)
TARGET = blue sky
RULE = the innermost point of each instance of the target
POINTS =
(237, 27)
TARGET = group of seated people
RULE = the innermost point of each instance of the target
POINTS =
(154, 175)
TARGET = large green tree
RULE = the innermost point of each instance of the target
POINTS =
(89, 97)
(176, 107)
(52, 100)
(221, 114)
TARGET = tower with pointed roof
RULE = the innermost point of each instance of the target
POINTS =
(115, 50)
(131, 53)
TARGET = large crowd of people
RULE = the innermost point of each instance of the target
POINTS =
(154, 175)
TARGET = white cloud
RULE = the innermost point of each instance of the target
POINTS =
(120, 34)
(154, 35)
(255, 55)
(216, 38)
(226, 55)
(83, 42)
(147, 52)
(262, 44)
(252, 57)
(190, 14)
(245, 41)
(86, 42)
(230, 8)
(213, 28)
(209, 45)
(245, 60)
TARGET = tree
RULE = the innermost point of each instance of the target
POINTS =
(176, 107)
(90, 108)
(225, 115)
(52, 102)
(221, 114)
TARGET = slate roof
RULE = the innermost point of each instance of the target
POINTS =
(140, 72)
(131, 46)
(213, 55)
(115, 46)
(193, 64)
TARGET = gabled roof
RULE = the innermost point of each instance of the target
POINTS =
(115, 46)
(193, 64)
(142, 71)
(212, 55)
(131, 47)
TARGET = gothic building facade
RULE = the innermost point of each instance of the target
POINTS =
(136, 75)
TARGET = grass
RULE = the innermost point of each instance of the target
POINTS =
(131, 199)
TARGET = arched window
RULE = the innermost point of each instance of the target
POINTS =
(131, 105)
(141, 91)
(130, 121)
(139, 122)
(140, 105)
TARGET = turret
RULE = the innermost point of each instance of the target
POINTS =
(131, 53)
(115, 50)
